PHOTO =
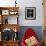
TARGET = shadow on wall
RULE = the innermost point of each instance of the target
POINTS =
(37, 29)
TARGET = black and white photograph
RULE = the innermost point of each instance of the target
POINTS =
(30, 13)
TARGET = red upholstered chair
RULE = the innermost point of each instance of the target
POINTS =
(29, 33)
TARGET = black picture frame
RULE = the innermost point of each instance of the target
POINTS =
(30, 13)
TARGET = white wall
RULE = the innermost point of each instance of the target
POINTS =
(27, 3)
(39, 12)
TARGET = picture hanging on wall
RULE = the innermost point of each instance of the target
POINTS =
(30, 13)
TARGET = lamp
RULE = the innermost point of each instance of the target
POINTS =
(15, 35)
(15, 30)
(15, 3)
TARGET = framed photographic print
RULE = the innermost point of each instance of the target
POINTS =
(5, 12)
(7, 34)
(30, 13)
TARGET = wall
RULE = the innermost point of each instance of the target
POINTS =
(37, 30)
(27, 3)
(39, 12)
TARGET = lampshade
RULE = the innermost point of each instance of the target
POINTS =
(15, 30)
